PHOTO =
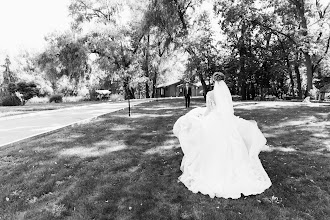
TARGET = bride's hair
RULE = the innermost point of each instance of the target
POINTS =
(218, 76)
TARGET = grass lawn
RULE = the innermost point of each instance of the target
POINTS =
(120, 167)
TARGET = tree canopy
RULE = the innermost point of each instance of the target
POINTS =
(264, 47)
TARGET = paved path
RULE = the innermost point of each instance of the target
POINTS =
(16, 128)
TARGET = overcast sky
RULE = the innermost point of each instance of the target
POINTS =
(24, 23)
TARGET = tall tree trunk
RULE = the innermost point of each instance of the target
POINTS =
(253, 91)
(147, 90)
(243, 90)
(242, 75)
(297, 72)
(296, 69)
(248, 91)
(154, 82)
(288, 66)
(147, 66)
(298, 83)
(300, 5)
(205, 88)
(132, 92)
(262, 95)
(309, 67)
(242, 52)
(291, 76)
(129, 91)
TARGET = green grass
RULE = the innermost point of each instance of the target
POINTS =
(120, 167)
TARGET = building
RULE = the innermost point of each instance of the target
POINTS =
(324, 88)
(175, 89)
(324, 92)
(168, 89)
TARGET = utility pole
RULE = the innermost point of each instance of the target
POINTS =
(129, 103)
(129, 96)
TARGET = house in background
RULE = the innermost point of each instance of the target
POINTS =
(168, 89)
(324, 88)
(175, 89)
(195, 89)
(324, 92)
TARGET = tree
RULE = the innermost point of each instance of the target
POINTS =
(73, 57)
(49, 62)
(8, 75)
(65, 56)
(306, 24)
(185, 26)
(205, 53)
(26, 90)
(26, 68)
(116, 33)
(156, 58)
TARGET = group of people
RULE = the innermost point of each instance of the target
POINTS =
(220, 149)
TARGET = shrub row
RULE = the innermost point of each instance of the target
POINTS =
(56, 98)
(13, 100)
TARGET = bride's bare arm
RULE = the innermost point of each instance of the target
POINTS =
(209, 103)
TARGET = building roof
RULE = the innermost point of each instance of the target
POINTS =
(168, 84)
(179, 84)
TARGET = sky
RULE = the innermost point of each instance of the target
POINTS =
(24, 23)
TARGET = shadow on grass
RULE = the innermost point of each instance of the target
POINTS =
(120, 167)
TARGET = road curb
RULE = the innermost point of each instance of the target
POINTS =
(62, 109)
(77, 123)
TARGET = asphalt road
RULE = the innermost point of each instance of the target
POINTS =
(16, 128)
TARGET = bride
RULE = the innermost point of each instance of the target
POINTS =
(220, 149)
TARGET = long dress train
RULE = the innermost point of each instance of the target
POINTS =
(220, 149)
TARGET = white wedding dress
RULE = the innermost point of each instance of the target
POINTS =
(220, 149)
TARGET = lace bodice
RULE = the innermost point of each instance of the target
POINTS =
(210, 103)
(219, 100)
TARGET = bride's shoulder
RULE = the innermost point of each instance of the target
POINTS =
(210, 94)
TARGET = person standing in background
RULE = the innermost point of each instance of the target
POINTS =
(187, 94)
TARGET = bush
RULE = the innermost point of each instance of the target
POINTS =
(257, 98)
(92, 95)
(116, 97)
(73, 98)
(45, 90)
(37, 100)
(56, 98)
(270, 97)
(236, 98)
(27, 90)
(11, 101)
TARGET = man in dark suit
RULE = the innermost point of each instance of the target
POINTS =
(187, 94)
